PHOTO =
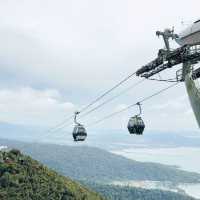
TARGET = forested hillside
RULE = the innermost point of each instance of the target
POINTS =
(129, 193)
(22, 178)
(19, 171)
(88, 163)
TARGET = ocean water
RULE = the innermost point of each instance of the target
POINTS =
(191, 189)
(182, 157)
(185, 158)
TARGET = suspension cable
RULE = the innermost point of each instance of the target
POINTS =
(128, 107)
(58, 126)
(107, 92)
(93, 102)
(64, 125)
(132, 105)
(112, 98)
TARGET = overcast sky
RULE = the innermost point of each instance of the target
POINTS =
(57, 56)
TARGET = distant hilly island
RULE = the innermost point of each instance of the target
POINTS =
(112, 192)
(22, 178)
(97, 169)
(90, 163)
(111, 139)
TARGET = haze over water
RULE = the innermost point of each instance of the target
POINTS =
(186, 158)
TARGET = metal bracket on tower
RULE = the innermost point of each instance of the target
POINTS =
(167, 34)
(179, 75)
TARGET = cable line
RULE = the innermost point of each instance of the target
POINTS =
(107, 92)
(93, 102)
(157, 93)
(104, 103)
(122, 110)
(112, 98)
(132, 105)
(60, 124)
(63, 125)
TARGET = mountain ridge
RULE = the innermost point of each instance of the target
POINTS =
(23, 178)
(89, 163)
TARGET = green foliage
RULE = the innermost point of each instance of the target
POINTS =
(22, 178)
(87, 163)
(83, 163)
(130, 193)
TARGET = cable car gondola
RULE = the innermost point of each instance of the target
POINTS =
(79, 133)
(136, 124)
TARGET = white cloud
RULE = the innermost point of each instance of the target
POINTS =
(120, 107)
(178, 103)
(80, 43)
(88, 45)
(33, 107)
(173, 114)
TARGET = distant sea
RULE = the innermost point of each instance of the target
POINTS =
(186, 158)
